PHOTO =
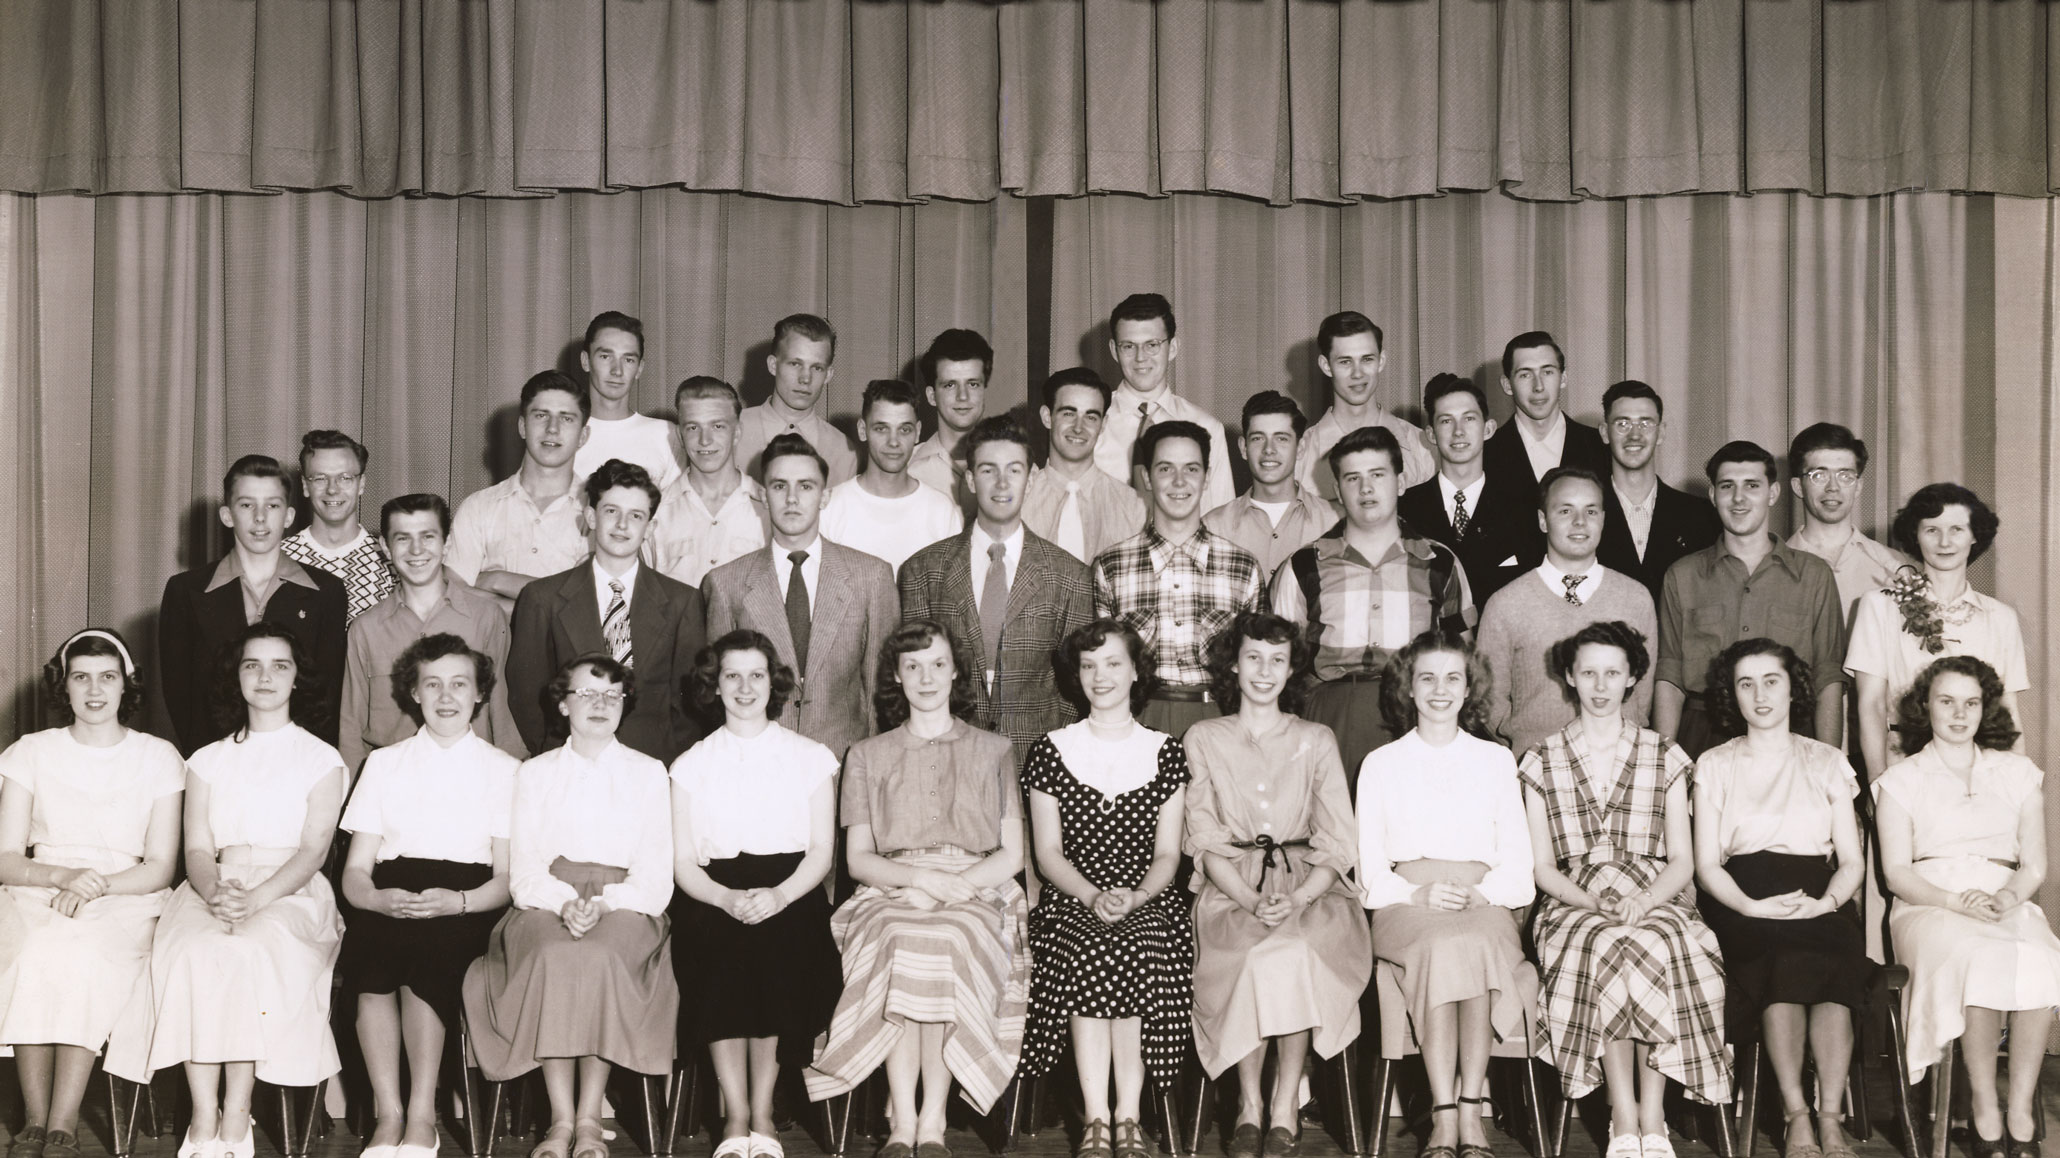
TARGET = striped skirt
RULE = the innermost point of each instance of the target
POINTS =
(965, 965)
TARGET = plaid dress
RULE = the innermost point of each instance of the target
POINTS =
(1661, 981)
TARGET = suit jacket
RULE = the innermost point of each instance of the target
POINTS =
(1682, 524)
(855, 611)
(1051, 595)
(557, 619)
(1509, 471)
(194, 624)
(1494, 548)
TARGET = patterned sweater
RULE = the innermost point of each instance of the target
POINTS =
(366, 572)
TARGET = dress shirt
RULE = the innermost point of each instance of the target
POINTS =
(501, 528)
(1011, 557)
(1367, 611)
(1555, 580)
(1246, 523)
(750, 794)
(230, 570)
(760, 423)
(1312, 467)
(638, 439)
(939, 469)
(1547, 452)
(1120, 429)
(1110, 511)
(1709, 602)
(1460, 802)
(1447, 489)
(1859, 564)
(603, 596)
(1950, 816)
(425, 800)
(361, 564)
(612, 810)
(370, 717)
(687, 540)
(1637, 516)
(1177, 596)
(890, 529)
(811, 568)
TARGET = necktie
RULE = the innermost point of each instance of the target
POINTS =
(797, 610)
(994, 602)
(615, 625)
(1072, 533)
(1459, 516)
(1572, 583)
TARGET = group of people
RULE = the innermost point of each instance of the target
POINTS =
(691, 737)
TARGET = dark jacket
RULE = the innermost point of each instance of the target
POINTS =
(1682, 524)
(202, 611)
(1494, 550)
(1509, 471)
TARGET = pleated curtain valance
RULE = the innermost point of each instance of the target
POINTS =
(904, 100)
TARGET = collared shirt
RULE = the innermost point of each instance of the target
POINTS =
(750, 794)
(362, 564)
(1449, 490)
(1638, 516)
(1709, 602)
(1177, 596)
(370, 718)
(1312, 468)
(1011, 557)
(1242, 521)
(1456, 802)
(1547, 452)
(1121, 427)
(1859, 564)
(1367, 611)
(425, 800)
(1555, 580)
(1110, 511)
(615, 809)
(687, 540)
(760, 423)
(500, 528)
(230, 570)
(939, 469)
(811, 568)
(605, 595)
(638, 439)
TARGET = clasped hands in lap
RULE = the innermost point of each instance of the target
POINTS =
(935, 887)
(747, 906)
(1985, 906)
(410, 906)
(76, 888)
(580, 917)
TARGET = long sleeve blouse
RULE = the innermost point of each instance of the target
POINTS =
(1286, 785)
(612, 810)
(1459, 802)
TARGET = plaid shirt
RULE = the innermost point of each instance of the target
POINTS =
(1365, 612)
(1177, 595)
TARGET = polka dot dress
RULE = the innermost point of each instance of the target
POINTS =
(1142, 966)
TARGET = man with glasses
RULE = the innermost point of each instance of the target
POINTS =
(332, 478)
(1826, 464)
(1647, 524)
(1143, 342)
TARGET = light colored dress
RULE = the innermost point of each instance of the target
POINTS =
(1958, 831)
(65, 980)
(1978, 625)
(258, 992)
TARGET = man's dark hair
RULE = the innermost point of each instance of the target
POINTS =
(415, 504)
(1077, 376)
(808, 326)
(614, 320)
(1444, 385)
(788, 444)
(994, 428)
(617, 473)
(956, 346)
(557, 380)
(1529, 340)
(1344, 324)
(315, 440)
(1632, 388)
(892, 391)
(1824, 436)
(1147, 447)
(1142, 308)
(1366, 438)
(1739, 450)
(251, 466)
(1271, 402)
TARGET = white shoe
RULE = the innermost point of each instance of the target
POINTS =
(1624, 1146)
(188, 1148)
(379, 1152)
(1656, 1146)
(406, 1151)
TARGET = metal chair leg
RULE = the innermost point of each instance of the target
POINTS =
(1194, 1124)
(686, 1089)
(297, 1106)
(1540, 1139)
(1942, 1101)
(1858, 1122)
(1749, 1100)
(123, 1099)
(1383, 1093)
(1726, 1144)
(837, 1112)
(1349, 1113)
(657, 1133)
(1905, 1110)
(1566, 1121)
(1169, 1112)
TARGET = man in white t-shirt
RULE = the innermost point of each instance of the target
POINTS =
(885, 512)
(613, 358)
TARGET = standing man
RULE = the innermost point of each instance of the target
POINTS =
(826, 607)
(612, 605)
(1278, 516)
(884, 512)
(1826, 464)
(1144, 344)
(613, 358)
(1177, 583)
(1069, 500)
(1648, 524)
(1567, 592)
(1539, 436)
(1350, 350)
(430, 600)
(1008, 596)
(713, 512)
(332, 477)
(528, 524)
(1365, 589)
(955, 370)
(802, 364)
(1745, 585)
(1457, 507)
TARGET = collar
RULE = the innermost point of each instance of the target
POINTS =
(776, 411)
(1447, 488)
(1780, 553)
(423, 737)
(1012, 546)
(814, 548)
(1555, 579)
(1130, 397)
(682, 491)
(1333, 545)
(913, 742)
(307, 535)
(460, 597)
(1557, 428)
(1651, 501)
(1162, 549)
(628, 578)
(230, 570)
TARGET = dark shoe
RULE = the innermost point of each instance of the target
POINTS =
(65, 1144)
(1094, 1141)
(1980, 1147)
(2029, 1148)
(1281, 1144)
(28, 1144)
(1131, 1142)
(893, 1150)
(1244, 1141)
(932, 1150)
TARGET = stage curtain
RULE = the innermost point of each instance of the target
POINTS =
(904, 100)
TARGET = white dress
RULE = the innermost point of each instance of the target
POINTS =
(65, 980)
(258, 992)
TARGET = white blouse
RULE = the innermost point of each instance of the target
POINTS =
(433, 802)
(612, 810)
(91, 806)
(750, 795)
(1459, 802)
(1110, 767)
(258, 785)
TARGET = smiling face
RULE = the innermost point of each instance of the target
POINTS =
(1572, 521)
(613, 362)
(1947, 539)
(1075, 422)
(1534, 381)
(618, 522)
(925, 676)
(1761, 684)
(1353, 367)
(1437, 683)
(1954, 707)
(890, 433)
(801, 370)
(1632, 432)
(708, 430)
(794, 495)
(998, 470)
(1368, 487)
(1458, 428)
(1743, 495)
(1601, 678)
(592, 704)
(415, 542)
(1144, 353)
(257, 513)
(1106, 676)
(1269, 446)
(266, 674)
(334, 486)
(448, 690)
(1262, 670)
(1829, 484)
(93, 687)
(552, 428)
(744, 681)
(1179, 472)
(959, 393)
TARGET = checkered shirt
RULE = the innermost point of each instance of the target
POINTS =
(1365, 612)
(366, 572)
(1177, 596)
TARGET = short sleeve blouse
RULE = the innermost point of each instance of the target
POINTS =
(258, 785)
(750, 795)
(1954, 817)
(435, 803)
(1988, 631)
(916, 792)
(1788, 812)
(88, 798)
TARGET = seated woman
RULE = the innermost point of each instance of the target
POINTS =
(1963, 844)
(936, 940)
(1777, 851)
(1444, 862)
(241, 967)
(89, 829)
(1281, 948)
(754, 819)
(577, 976)
(1610, 840)
(1112, 942)
(427, 876)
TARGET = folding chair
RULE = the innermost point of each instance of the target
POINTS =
(1398, 1041)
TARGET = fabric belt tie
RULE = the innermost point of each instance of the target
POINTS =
(2008, 864)
(1271, 846)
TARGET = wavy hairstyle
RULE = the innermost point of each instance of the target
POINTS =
(1725, 714)
(407, 671)
(1091, 636)
(557, 726)
(1398, 679)
(1609, 633)
(306, 706)
(706, 682)
(890, 703)
(1998, 729)
(58, 670)
(1929, 503)
(1264, 627)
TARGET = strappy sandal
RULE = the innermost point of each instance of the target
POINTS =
(1131, 1142)
(1094, 1141)
(1624, 1146)
(587, 1139)
(1845, 1149)
(556, 1143)
(1790, 1148)
(1440, 1151)
(1468, 1149)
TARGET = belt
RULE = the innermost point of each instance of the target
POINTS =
(2008, 864)
(1358, 677)
(1270, 846)
(1182, 693)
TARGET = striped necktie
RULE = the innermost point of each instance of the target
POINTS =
(615, 625)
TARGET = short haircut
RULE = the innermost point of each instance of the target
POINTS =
(956, 346)
(1929, 503)
(560, 688)
(809, 326)
(1997, 731)
(617, 473)
(701, 386)
(58, 670)
(1271, 402)
(1398, 680)
(1092, 636)
(1147, 447)
(1263, 627)
(407, 671)
(1725, 714)
(1558, 473)
(1824, 436)
(415, 504)
(706, 682)
(1529, 340)
(1365, 438)
(1344, 324)
(1077, 376)
(995, 428)
(1142, 308)
(1443, 386)
(315, 440)
(1739, 450)
(1605, 633)
(614, 320)
(251, 466)
(558, 380)
(788, 444)
(1632, 388)
(892, 391)
(306, 706)
(890, 703)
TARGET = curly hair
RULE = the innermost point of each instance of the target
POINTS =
(706, 681)
(1262, 627)
(58, 670)
(1609, 633)
(557, 725)
(1998, 729)
(1929, 503)
(1091, 636)
(1725, 714)
(1398, 679)
(407, 671)
(890, 703)
(306, 706)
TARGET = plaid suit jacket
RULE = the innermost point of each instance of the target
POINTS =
(1050, 597)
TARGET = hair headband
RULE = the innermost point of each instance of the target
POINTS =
(128, 661)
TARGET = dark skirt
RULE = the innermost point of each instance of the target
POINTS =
(382, 953)
(1822, 960)
(778, 978)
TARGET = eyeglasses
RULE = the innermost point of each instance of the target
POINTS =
(1626, 425)
(323, 482)
(611, 697)
(1149, 348)
(1821, 475)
